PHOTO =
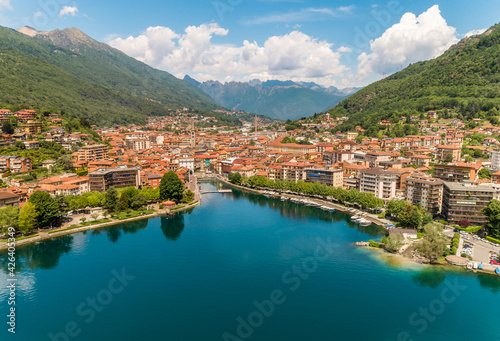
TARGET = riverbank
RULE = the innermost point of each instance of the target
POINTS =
(43, 235)
(373, 218)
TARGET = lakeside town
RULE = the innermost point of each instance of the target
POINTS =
(448, 173)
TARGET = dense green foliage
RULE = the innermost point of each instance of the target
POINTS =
(434, 243)
(365, 200)
(47, 209)
(171, 187)
(465, 79)
(492, 212)
(235, 178)
(89, 79)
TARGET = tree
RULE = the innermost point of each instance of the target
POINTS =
(394, 242)
(138, 201)
(484, 173)
(492, 212)
(123, 204)
(434, 242)
(235, 178)
(27, 217)
(171, 187)
(111, 199)
(396, 207)
(65, 162)
(9, 217)
(448, 158)
(7, 128)
(46, 207)
(188, 196)
(94, 216)
(83, 219)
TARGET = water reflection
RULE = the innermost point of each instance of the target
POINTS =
(43, 255)
(115, 232)
(429, 278)
(172, 226)
(491, 282)
(289, 209)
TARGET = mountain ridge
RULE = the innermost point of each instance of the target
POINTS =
(273, 98)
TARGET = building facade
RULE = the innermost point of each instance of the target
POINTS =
(464, 201)
(330, 177)
(93, 152)
(103, 179)
(380, 182)
(424, 191)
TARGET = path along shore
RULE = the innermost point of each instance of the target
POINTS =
(43, 235)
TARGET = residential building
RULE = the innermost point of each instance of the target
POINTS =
(32, 127)
(331, 177)
(424, 191)
(495, 160)
(15, 164)
(464, 201)
(7, 198)
(119, 177)
(375, 158)
(380, 182)
(93, 152)
(443, 151)
(456, 172)
(137, 143)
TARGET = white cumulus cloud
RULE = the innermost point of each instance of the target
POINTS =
(475, 32)
(414, 38)
(5, 4)
(68, 10)
(294, 56)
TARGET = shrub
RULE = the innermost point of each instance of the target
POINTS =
(464, 255)
(373, 243)
(494, 240)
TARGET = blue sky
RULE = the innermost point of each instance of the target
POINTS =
(340, 43)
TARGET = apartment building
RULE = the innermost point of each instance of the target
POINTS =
(375, 158)
(137, 143)
(380, 182)
(424, 191)
(466, 200)
(15, 164)
(294, 170)
(93, 152)
(330, 177)
(456, 172)
(32, 127)
(119, 177)
(443, 151)
(336, 156)
(495, 160)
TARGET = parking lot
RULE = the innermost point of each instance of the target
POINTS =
(482, 249)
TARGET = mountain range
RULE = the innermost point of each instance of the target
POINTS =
(273, 98)
(464, 81)
(68, 70)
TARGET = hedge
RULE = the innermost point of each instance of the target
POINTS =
(494, 240)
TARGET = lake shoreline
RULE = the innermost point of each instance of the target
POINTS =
(59, 233)
(374, 220)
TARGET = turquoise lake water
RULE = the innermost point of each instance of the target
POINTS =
(240, 267)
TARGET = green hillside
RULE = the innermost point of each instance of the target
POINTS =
(464, 80)
(89, 79)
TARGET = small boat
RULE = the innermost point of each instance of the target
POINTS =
(497, 271)
(480, 266)
(469, 266)
(364, 222)
(475, 265)
(356, 218)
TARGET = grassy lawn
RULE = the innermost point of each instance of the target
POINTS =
(20, 238)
